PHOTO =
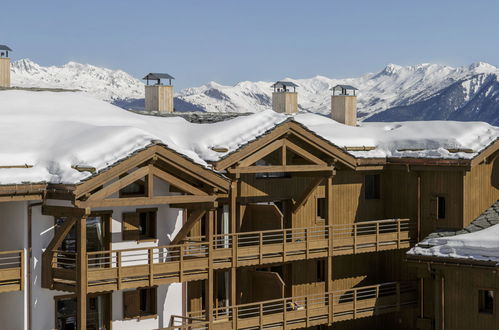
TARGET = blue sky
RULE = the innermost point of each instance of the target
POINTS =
(228, 41)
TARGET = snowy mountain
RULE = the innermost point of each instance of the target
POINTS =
(425, 91)
(419, 92)
(105, 84)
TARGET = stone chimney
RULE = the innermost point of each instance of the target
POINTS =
(4, 66)
(159, 97)
(344, 104)
(283, 100)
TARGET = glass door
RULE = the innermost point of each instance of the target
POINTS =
(98, 312)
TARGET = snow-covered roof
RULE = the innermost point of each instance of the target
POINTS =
(52, 132)
(477, 242)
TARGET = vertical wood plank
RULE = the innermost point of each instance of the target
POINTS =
(81, 271)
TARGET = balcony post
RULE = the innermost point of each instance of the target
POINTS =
(81, 273)
(234, 229)
(209, 282)
(329, 260)
(233, 214)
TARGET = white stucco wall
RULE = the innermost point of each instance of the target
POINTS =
(42, 302)
(14, 236)
(169, 297)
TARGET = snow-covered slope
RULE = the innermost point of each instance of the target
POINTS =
(394, 86)
(105, 84)
(419, 92)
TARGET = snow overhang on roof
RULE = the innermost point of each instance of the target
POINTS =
(478, 242)
(57, 133)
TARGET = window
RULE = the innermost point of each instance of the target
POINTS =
(135, 189)
(140, 303)
(98, 315)
(372, 188)
(441, 207)
(139, 225)
(486, 301)
(321, 271)
(321, 208)
(265, 175)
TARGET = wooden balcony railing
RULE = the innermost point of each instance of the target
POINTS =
(306, 311)
(122, 269)
(11, 271)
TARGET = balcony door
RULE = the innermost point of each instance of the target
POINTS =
(98, 312)
(98, 233)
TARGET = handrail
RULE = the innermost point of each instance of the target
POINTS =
(189, 261)
(12, 270)
(349, 299)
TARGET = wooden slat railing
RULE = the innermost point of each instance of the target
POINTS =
(11, 271)
(130, 268)
(306, 311)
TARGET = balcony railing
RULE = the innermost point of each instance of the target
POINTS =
(305, 311)
(12, 271)
(122, 269)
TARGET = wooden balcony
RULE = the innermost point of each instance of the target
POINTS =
(306, 311)
(11, 271)
(131, 268)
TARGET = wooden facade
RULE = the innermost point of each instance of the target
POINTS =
(296, 233)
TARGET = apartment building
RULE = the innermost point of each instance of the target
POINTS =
(274, 220)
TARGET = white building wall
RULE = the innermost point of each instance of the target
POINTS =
(42, 301)
(169, 297)
(14, 236)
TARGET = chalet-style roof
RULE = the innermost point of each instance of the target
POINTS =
(284, 84)
(340, 87)
(156, 76)
(478, 241)
(48, 137)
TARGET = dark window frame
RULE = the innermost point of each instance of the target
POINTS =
(145, 298)
(320, 209)
(486, 301)
(137, 220)
(441, 207)
(372, 186)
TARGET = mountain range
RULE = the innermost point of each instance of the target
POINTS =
(396, 93)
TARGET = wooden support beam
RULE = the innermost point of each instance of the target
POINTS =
(15, 198)
(210, 219)
(150, 181)
(262, 153)
(54, 245)
(81, 274)
(174, 181)
(302, 152)
(306, 194)
(287, 168)
(139, 201)
(62, 211)
(195, 216)
(329, 259)
(120, 184)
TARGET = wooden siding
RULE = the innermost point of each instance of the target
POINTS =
(481, 189)
(460, 292)
(4, 72)
(448, 184)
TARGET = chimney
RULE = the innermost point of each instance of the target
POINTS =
(159, 97)
(344, 104)
(4, 66)
(283, 100)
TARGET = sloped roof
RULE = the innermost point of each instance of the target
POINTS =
(53, 132)
(156, 76)
(4, 47)
(478, 241)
